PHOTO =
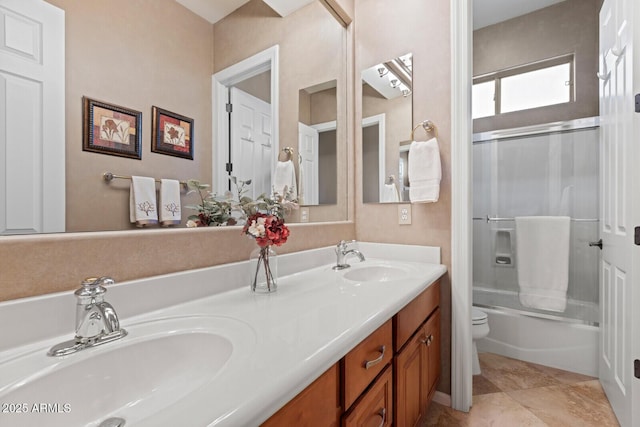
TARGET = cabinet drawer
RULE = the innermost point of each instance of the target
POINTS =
(375, 408)
(362, 364)
(413, 315)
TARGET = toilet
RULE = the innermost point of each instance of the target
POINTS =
(479, 330)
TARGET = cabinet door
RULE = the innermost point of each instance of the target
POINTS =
(316, 405)
(375, 407)
(432, 332)
(411, 376)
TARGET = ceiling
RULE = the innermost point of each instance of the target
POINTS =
(485, 12)
(489, 12)
(215, 10)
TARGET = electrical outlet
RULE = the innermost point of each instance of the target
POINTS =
(404, 214)
(304, 214)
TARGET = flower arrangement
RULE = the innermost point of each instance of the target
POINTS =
(266, 229)
(212, 211)
(229, 210)
(263, 220)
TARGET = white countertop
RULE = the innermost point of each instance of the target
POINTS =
(310, 323)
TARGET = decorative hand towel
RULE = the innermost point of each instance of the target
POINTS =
(390, 193)
(542, 248)
(425, 171)
(142, 200)
(285, 176)
(169, 203)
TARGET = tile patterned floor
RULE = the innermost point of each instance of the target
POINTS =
(512, 393)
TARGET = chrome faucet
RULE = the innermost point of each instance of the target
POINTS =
(96, 320)
(341, 255)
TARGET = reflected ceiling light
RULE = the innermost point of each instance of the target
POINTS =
(394, 82)
(382, 71)
(407, 60)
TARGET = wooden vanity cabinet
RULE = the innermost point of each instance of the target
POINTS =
(417, 360)
(316, 405)
(387, 379)
(417, 370)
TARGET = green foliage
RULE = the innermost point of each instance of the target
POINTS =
(230, 210)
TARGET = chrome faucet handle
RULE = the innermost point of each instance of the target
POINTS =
(93, 287)
(98, 281)
(342, 246)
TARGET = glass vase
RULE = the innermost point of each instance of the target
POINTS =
(263, 265)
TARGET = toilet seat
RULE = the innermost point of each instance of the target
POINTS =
(478, 317)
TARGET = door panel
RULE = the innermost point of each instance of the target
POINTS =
(251, 143)
(32, 106)
(308, 139)
(617, 207)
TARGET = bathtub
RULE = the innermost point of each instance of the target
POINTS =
(545, 339)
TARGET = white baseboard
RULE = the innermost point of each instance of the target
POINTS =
(442, 398)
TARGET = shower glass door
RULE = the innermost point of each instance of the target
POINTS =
(549, 170)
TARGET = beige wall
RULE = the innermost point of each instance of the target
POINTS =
(258, 86)
(35, 265)
(383, 32)
(134, 54)
(569, 27)
(312, 47)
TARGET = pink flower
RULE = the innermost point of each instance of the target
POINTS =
(266, 229)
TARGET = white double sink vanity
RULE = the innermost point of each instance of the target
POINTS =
(202, 350)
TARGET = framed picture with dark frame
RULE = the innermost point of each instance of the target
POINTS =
(171, 133)
(111, 129)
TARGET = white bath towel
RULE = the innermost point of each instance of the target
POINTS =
(542, 249)
(390, 193)
(285, 176)
(425, 171)
(169, 202)
(142, 200)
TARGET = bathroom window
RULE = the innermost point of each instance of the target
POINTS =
(531, 86)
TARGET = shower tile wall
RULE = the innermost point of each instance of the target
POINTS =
(551, 174)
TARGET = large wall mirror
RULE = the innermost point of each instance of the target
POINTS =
(140, 55)
(386, 129)
(303, 148)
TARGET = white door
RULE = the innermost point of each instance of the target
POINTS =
(308, 140)
(619, 211)
(251, 142)
(379, 120)
(32, 106)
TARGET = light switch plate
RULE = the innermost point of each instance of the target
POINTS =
(304, 214)
(404, 214)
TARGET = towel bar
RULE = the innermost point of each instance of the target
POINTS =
(489, 219)
(108, 176)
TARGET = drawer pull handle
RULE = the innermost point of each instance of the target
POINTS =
(427, 340)
(370, 363)
(382, 413)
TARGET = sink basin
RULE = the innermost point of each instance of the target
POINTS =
(376, 273)
(161, 362)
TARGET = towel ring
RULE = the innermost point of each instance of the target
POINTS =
(428, 126)
(288, 151)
